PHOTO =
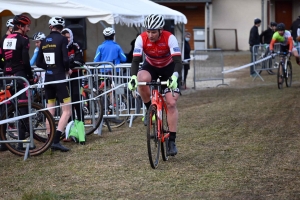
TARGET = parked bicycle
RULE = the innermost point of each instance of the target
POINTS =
(284, 70)
(43, 125)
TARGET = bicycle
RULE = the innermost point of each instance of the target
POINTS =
(284, 70)
(157, 125)
(43, 125)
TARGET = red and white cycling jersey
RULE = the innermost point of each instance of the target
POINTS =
(159, 53)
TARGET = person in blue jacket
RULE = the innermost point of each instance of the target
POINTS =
(109, 50)
(37, 37)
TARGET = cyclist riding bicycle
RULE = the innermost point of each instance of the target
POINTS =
(163, 58)
(285, 39)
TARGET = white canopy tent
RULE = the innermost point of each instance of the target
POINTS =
(123, 13)
(128, 12)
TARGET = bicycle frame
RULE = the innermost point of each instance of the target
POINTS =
(284, 59)
(158, 100)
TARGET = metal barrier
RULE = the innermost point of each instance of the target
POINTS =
(4, 108)
(260, 52)
(208, 65)
(117, 99)
(114, 91)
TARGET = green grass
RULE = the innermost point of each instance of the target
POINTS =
(234, 143)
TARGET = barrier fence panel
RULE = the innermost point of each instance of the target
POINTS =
(208, 65)
(111, 83)
(10, 124)
(260, 52)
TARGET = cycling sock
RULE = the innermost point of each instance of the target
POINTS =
(148, 104)
(172, 136)
(57, 137)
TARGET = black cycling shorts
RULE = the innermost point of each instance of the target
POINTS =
(163, 73)
(57, 90)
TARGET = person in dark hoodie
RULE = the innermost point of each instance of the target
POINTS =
(265, 38)
(294, 27)
(254, 40)
(75, 60)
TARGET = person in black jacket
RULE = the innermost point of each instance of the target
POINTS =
(9, 26)
(53, 57)
(294, 27)
(265, 38)
(254, 40)
(187, 51)
(76, 60)
(16, 56)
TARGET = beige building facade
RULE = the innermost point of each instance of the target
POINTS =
(227, 23)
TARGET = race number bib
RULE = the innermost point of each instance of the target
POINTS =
(10, 43)
(49, 58)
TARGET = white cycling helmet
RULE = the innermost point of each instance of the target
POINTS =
(154, 21)
(54, 21)
(108, 31)
(9, 23)
(39, 36)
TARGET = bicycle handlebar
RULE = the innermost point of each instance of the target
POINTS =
(153, 83)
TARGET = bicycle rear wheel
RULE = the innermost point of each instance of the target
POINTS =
(165, 130)
(153, 142)
(93, 112)
(280, 76)
(42, 138)
(289, 74)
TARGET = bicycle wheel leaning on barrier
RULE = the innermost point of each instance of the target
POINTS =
(120, 105)
(42, 135)
(93, 111)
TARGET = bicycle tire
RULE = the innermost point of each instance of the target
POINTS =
(153, 142)
(165, 130)
(40, 118)
(289, 74)
(89, 125)
(124, 107)
(280, 76)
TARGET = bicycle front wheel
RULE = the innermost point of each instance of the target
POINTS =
(289, 74)
(153, 142)
(42, 135)
(280, 76)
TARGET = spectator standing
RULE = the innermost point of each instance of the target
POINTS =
(53, 57)
(187, 52)
(265, 38)
(75, 60)
(294, 27)
(16, 55)
(109, 50)
(37, 38)
(9, 26)
(254, 39)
